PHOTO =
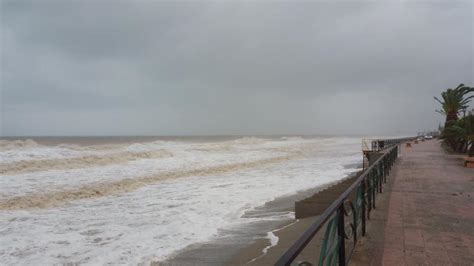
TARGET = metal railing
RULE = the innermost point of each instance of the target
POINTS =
(381, 144)
(355, 204)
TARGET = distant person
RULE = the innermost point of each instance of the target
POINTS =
(381, 144)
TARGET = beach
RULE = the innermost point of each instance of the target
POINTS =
(139, 202)
(215, 132)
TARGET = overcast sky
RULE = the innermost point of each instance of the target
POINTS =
(185, 68)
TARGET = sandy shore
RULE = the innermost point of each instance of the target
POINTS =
(252, 255)
(286, 236)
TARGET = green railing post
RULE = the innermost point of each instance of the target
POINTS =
(369, 195)
(363, 207)
(341, 234)
(380, 183)
(374, 189)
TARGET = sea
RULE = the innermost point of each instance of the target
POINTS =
(137, 200)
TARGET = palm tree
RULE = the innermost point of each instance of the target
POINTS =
(454, 101)
(461, 134)
(455, 132)
(469, 131)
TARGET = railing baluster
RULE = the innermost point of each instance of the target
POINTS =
(363, 207)
(369, 195)
(373, 190)
(341, 235)
(380, 180)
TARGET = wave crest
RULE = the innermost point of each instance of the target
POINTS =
(16, 144)
(249, 141)
(95, 190)
(80, 162)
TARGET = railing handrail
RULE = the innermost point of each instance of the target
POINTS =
(375, 143)
(308, 235)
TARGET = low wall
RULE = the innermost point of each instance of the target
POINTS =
(320, 201)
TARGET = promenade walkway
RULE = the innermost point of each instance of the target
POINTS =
(427, 218)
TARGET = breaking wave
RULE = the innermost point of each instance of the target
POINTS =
(80, 162)
(248, 141)
(56, 198)
(16, 144)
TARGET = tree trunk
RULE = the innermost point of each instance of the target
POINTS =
(471, 150)
(459, 145)
(450, 117)
(466, 145)
(463, 144)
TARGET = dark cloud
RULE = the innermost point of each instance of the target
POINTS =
(151, 67)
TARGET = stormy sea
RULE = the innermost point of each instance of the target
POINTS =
(132, 200)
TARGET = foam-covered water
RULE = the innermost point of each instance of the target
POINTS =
(141, 216)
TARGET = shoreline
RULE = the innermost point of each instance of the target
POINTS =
(253, 243)
(287, 235)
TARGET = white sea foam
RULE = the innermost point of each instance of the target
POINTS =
(273, 241)
(154, 221)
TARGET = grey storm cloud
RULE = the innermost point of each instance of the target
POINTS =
(164, 68)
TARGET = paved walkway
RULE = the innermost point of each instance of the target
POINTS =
(430, 214)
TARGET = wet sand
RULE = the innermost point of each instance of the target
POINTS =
(252, 255)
